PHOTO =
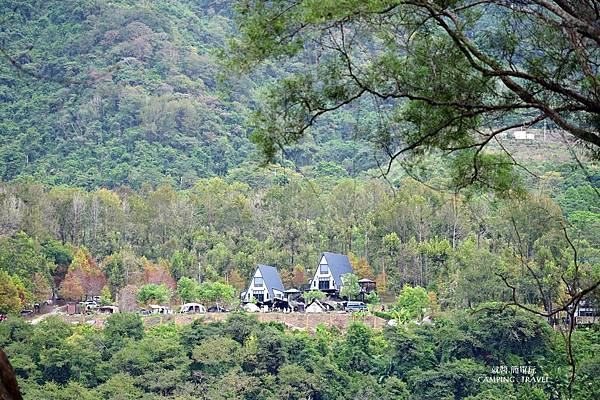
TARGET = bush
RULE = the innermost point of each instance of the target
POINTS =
(313, 295)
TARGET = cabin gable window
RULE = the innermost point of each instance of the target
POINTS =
(323, 283)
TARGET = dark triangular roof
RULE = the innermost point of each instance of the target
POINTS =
(339, 264)
(271, 278)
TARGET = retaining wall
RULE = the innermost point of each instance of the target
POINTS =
(293, 320)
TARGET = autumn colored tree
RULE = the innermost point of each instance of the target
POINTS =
(381, 282)
(71, 287)
(299, 277)
(361, 267)
(41, 288)
(236, 280)
(157, 274)
(84, 278)
(286, 277)
(434, 305)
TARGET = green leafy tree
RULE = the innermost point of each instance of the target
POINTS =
(216, 292)
(217, 356)
(120, 327)
(421, 48)
(350, 287)
(178, 267)
(106, 297)
(9, 295)
(313, 295)
(23, 259)
(158, 366)
(372, 298)
(153, 293)
(53, 352)
(354, 354)
(413, 301)
(120, 386)
(188, 289)
(295, 382)
(456, 379)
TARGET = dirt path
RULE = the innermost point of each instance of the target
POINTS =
(41, 317)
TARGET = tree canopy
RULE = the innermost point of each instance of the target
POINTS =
(446, 75)
(245, 359)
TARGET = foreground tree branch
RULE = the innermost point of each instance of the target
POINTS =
(438, 57)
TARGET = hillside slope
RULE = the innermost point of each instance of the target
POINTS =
(110, 93)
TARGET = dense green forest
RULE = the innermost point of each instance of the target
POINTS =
(461, 356)
(453, 244)
(121, 242)
(133, 167)
(112, 93)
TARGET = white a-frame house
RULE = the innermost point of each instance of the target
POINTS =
(331, 268)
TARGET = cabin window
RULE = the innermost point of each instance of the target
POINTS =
(587, 312)
(323, 284)
(258, 282)
(323, 268)
(259, 295)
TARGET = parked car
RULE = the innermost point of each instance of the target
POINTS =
(3, 317)
(217, 309)
(158, 309)
(353, 306)
(88, 305)
(107, 309)
(26, 313)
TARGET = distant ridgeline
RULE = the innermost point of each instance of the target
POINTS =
(110, 93)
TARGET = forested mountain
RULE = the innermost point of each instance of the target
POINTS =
(111, 93)
(132, 141)
(122, 141)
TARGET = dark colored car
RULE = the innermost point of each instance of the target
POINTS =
(26, 313)
(217, 309)
(3, 317)
(353, 306)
